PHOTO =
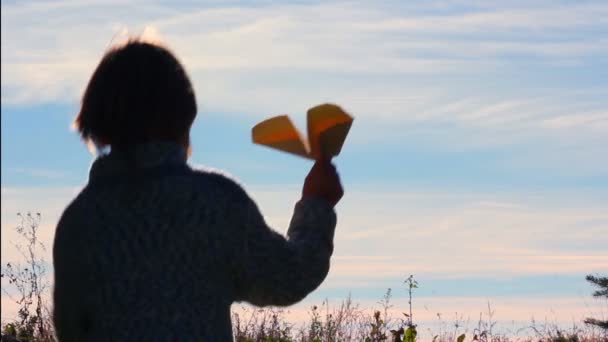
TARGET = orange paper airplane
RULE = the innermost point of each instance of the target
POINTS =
(328, 126)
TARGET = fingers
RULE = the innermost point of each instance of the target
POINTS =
(323, 181)
(325, 163)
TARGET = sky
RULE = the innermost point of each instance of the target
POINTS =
(476, 161)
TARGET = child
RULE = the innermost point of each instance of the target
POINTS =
(153, 250)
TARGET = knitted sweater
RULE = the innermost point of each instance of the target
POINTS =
(153, 250)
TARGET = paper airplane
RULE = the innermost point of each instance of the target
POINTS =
(328, 126)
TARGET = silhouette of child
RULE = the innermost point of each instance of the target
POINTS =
(154, 250)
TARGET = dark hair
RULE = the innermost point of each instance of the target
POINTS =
(139, 92)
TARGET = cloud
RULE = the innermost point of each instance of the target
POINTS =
(329, 37)
(384, 234)
(592, 120)
(433, 74)
(387, 233)
(528, 19)
(38, 173)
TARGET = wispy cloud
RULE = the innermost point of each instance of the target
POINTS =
(593, 120)
(334, 36)
(383, 235)
(399, 68)
(38, 173)
(261, 59)
(453, 75)
(528, 19)
(386, 233)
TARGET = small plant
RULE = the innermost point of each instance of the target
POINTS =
(410, 333)
(260, 325)
(315, 331)
(378, 332)
(483, 332)
(30, 283)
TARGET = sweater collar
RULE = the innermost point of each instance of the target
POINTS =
(137, 159)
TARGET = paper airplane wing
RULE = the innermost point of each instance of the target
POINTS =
(328, 126)
(281, 134)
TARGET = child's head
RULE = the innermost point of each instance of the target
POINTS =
(139, 92)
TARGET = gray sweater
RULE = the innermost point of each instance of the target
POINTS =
(153, 250)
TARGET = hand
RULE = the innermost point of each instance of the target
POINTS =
(323, 182)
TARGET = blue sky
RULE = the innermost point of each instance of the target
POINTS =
(476, 160)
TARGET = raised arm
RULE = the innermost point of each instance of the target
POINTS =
(274, 270)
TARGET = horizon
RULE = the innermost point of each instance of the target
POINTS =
(476, 160)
